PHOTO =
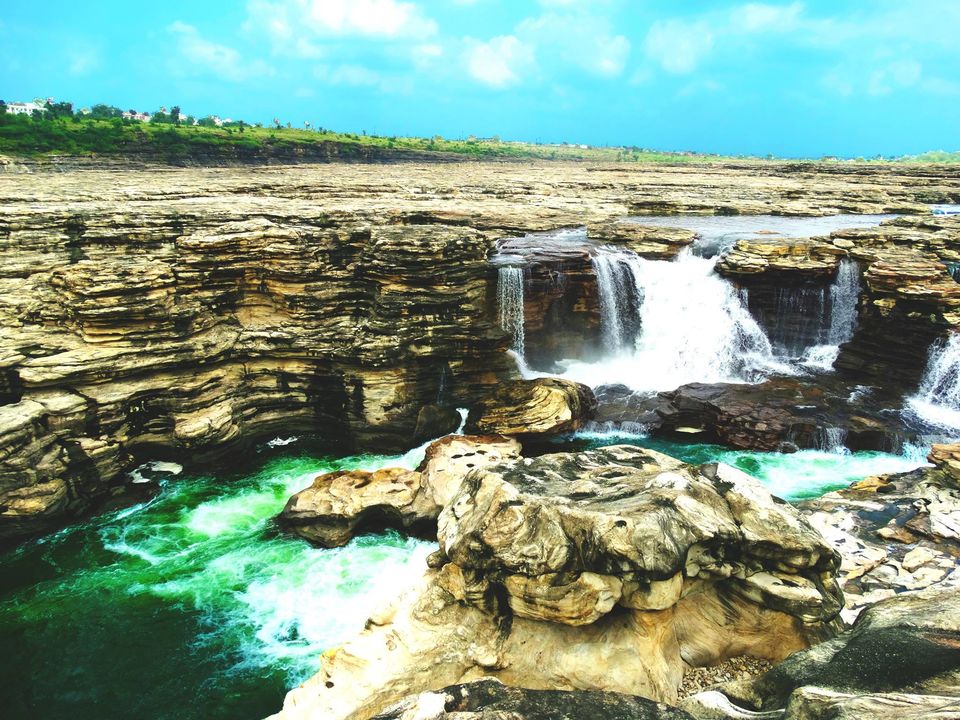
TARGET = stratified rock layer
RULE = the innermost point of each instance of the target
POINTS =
(612, 569)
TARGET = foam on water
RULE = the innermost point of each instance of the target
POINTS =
(202, 565)
(937, 401)
(793, 476)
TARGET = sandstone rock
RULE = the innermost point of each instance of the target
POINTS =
(490, 699)
(899, 535)
(655, 243)
(782, 260)
(611, 570)
(546, 406)
(340, 505)
(900, 659)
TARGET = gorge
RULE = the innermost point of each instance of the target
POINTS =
(185, 351)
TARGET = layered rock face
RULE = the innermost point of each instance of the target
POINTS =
(158, 312)
(613, 569)
(190, 331)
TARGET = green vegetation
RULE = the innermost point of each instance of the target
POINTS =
(173, 136)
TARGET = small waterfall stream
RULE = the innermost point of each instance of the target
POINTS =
(510, 304)
(844, 298)
(937, 402)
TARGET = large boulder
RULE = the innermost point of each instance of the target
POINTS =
(545, 406)
(614, 569)
(901, 659)
(338, 506)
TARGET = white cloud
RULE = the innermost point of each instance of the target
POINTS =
(499, 62)
(678, 46)
(426, 55)
(894, 76)
(82, 61)
(761, 17)
(225, 62)
(580, 39)
(295, 25)
(347, 74)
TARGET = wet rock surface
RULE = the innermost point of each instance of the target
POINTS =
(900, 659)
(614, 569)
(781, 414)
(492, 700)
(894, 533)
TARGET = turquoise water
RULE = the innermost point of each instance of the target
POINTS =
(192, 605)
(792, 476)
(187, 606)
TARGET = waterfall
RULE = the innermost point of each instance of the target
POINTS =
(689, 325)
(510, 302)
(844, 298)
(618, 297)
(937, 402)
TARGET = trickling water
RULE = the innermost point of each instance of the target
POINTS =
(844, 298)
(937, 402)
(692, 326)
(619, 300)
(832, 440)
(510, 304)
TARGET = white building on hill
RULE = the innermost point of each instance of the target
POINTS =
(23, 108)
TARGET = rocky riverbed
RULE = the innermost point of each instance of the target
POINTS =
(192, 315)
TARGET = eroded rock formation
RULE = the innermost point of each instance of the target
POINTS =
(895, 533)
(901, 659)
(612, 569)
(340, 505)
(490, 699)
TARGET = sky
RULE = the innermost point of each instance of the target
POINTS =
(803, 78)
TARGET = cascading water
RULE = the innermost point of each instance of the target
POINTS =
(844, 297)
(937, 402)
(510, 303)
(691, 326)
(619, 301)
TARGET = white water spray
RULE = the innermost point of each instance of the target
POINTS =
(844, 297)
(937, 402)
(693, 326)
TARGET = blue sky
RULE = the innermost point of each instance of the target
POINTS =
(796, 78)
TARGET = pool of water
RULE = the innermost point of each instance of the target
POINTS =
(792, 476)
(190, 605)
